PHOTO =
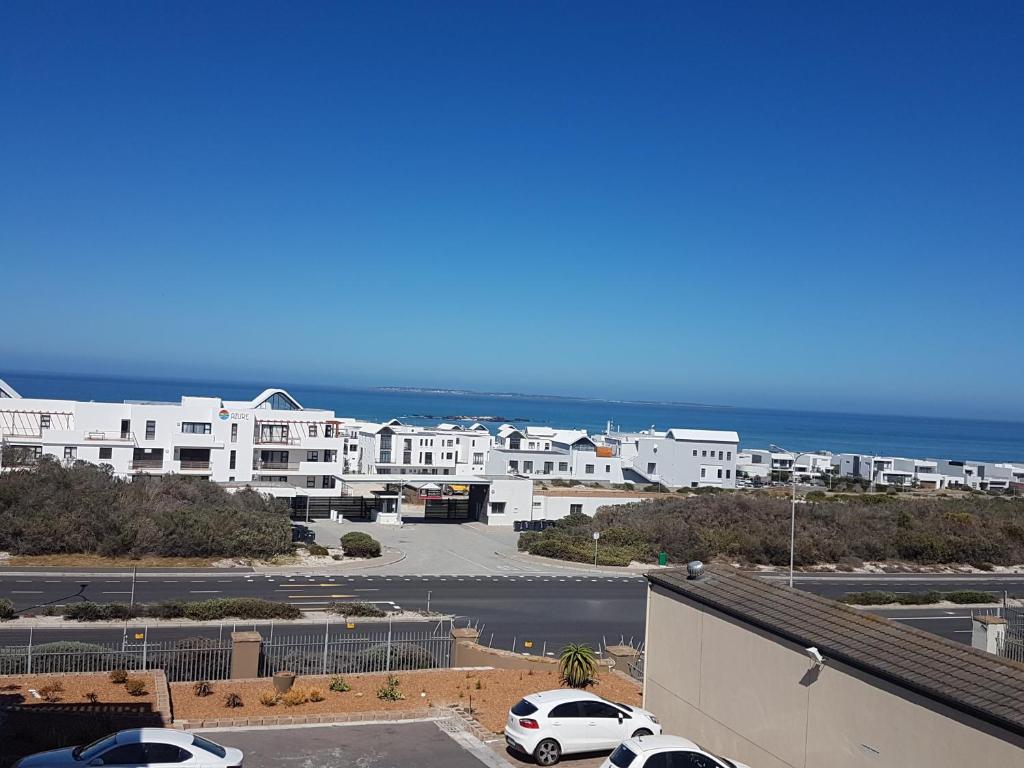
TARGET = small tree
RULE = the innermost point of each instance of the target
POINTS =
(577, 665)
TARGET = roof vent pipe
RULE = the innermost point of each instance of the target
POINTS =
(695, 570)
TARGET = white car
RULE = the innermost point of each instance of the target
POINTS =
(665, 752)
(554, 723)
(140, 748)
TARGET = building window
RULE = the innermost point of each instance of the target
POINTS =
(719, 455)
(575, 509)
(44, 421)
(69, 453)
(703, 471)
(313, 456)
(513, 443)
(527, 466)
(312, 430)
(497, 507)
(478, 458)
(719, 474)
(513, 466)
(607, 468)
(329, 455)
(704, 454)
(385, 442)
(195, 427)
(728, 455)
(385, 456)
(694, 451)
(232, 458)
(651, 468)
(428, 458)
(311, 481)
(151, 430)
(234, 433)
(755, 459)
(563, 466)
(549, 467)
(328, 481)
(589, 469)
(106, 453)
(728, 474)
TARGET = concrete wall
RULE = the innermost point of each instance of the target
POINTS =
(746, 694)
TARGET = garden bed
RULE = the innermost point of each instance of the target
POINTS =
(16, 690)
(488, 693)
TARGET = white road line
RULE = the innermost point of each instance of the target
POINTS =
(26, 591)
(203, 591)
(123, 592)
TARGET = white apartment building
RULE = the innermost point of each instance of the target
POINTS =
(269, 441)
(765, 464)
(544, 453)
(688, 458)
(394, 448)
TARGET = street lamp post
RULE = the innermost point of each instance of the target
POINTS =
(792, 511)
(597, 536)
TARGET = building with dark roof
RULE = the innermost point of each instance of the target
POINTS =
(729, 664)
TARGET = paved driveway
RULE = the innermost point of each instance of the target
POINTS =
(405, 745)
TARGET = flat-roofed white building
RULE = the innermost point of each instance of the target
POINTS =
(270, 440)
(688, 458)
(545, 453)
(394, 448)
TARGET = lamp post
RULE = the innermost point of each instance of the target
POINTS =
(792, 512)
(597, 536)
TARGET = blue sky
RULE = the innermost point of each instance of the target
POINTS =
(775, 204)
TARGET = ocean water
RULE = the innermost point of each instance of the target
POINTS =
(795, 430)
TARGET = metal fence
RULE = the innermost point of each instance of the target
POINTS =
(385, 651)
(190, 659)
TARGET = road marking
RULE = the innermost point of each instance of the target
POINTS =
(203, 591)
(123, 592)
(366, 590)
(309, 597)
(26, 591)
(170, 581)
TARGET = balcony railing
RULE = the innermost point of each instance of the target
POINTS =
(275, 465)
(277, 440)
(185, 464)
(147, 463)
(110, 435)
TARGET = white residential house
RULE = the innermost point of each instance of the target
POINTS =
(394, 448)
(688, 458)
(269, 441)
(544, 453)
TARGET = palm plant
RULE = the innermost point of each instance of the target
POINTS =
(577, 665)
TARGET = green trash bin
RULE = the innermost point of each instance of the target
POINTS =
(663, 558)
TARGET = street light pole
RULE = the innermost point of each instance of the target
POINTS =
(596, 537)
(792, 512)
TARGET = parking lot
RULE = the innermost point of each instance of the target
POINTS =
(388, 745)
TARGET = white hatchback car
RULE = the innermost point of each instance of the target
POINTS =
(554, 723)
(665, 752)
(140, 748)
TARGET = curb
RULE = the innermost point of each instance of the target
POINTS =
(352, 717)
(565, 565)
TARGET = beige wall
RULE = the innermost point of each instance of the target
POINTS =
(749, 695)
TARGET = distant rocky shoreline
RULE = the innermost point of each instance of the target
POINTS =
(490, 419)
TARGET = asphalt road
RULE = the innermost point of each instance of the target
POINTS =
(411, 745)
(509, 609)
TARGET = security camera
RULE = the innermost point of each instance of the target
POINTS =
(815, 655)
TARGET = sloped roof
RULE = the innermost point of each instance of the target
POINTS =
(956, 675)
(705, 435)
(8, 390)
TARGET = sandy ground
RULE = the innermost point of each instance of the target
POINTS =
(16, 689)
(490, 693)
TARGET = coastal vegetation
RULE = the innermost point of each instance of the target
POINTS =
(754, 529)
(84, 508)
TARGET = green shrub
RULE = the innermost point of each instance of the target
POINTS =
(240, 608)
(870, 598)
(135, 686)
(97, 612)
(919, 598)
(84, 508)
(317, 550)
(232, 701)
(171, 609)
(6, 610)
(364, 610)
(118, 676)
(202, 688)
(338, 684)
(359, 544)
(816, 496)
(390, 691)
(967, 596)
